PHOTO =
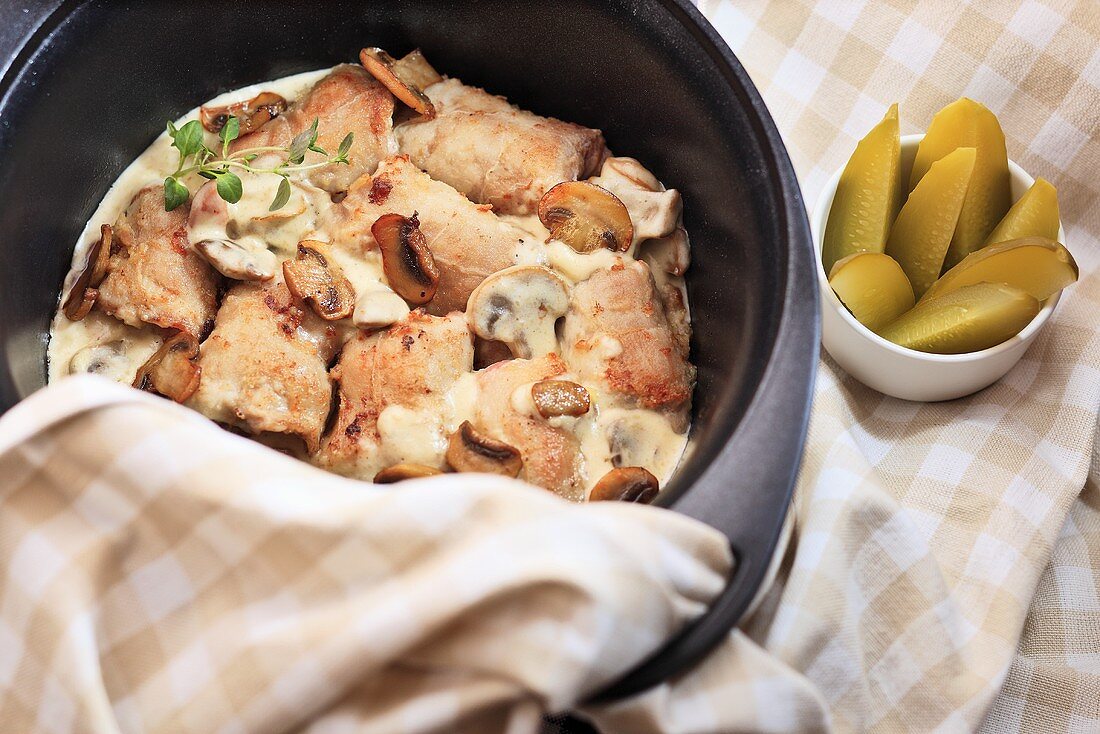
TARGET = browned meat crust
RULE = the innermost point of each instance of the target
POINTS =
(650, 367)
(347, 100)
(551, 455)
(412, 364)
(467, 241)
(154, 276)
(496, 153)
(265, 365)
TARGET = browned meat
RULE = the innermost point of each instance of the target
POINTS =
(467, 241)
(154, 276)
(646, 359)
(496, 153)
(409, 367)
(265, 365)
(347, 100)
(551, 455)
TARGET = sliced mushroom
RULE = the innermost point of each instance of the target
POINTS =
(654, 210)
(237, 260)
(172, 371)
(415, 69)
(671, 254)
(470, 451)
(519, 306)
(625, 484)
(406, 259)
(560, 397)
(83, 293)
(586, 217)
(398, 79)
(105, 359)
(315, 279)
(251, 115)
(401, 472)
(378, 307)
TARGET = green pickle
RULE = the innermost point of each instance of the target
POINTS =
(872, 287)
(966, 123)
(969, 319)
(868, 195)
(1034, 215)
(1036, 265)
(922, 233)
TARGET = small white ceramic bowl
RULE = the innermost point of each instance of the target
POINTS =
(906, 373)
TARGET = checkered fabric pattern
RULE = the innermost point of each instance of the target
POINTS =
(162, 575)
(943, 571)
(945, 563)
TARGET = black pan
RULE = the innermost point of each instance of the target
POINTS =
(89, 84)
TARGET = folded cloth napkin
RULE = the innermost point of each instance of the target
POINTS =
(162, 575)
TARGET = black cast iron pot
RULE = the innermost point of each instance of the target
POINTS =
(89, 84)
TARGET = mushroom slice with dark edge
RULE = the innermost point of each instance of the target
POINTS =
(98, 358)
(560, 397)
(586, 217)
(406, 259)
(314, 278)
(399, 78)
(251, 115)
(172, 371)
(83, 294)
(470, 451)
(234, 260)
(401, 472)
(626, 484)
(519, 306)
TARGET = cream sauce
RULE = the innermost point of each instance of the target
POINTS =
(610, 434)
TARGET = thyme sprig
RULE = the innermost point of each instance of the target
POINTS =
(196, 157)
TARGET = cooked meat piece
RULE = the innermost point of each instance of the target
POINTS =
(467, 241)
(496, 153)
(551, 455)
(265, 365)
(346, 100)
(391, 387)
(619, 332)
(154, 276)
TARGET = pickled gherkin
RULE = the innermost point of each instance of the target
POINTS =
(966, 123)
(868, 195)
(1034, 215)
(1036, 265)
(973, 318)
(922, 233)
(873, 287)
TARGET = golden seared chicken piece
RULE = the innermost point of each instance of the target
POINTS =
(265, 365)
(621, 333)
(153, 275)
(496, 153)
(466, 240)
(551, 455)
(392, 386)
(346, 100)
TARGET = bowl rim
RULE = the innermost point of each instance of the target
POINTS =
(818, 220)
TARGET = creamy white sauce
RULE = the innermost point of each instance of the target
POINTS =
(610, 435)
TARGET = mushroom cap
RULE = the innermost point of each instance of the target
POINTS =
(586, 217)
(520, 306)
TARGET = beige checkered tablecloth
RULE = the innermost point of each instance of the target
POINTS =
(943, 574)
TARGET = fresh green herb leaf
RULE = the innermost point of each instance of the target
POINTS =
(318, 149)
(188, 139)
(345, 146)
(230, 132)
(230, 187)
(296, 152)
(282, 196)
(175, 194)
